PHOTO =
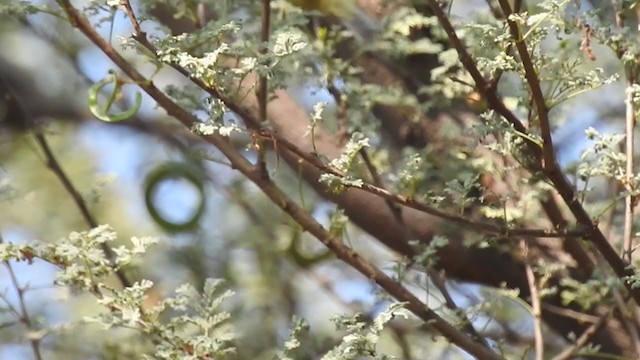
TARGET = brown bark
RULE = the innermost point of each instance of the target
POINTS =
(488, 266)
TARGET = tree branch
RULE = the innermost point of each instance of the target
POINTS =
(551, 169)
(281, 199)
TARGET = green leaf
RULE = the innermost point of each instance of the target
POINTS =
(102, 113)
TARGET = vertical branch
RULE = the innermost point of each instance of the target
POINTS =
(53, 165)
(132, 17)
(262, 91)
(615, 4)
(630, 122)
(552, 170)
(535, 303)
(538, 99)
(629, 200)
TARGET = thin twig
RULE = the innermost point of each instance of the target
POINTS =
(279, 198)
(552, 170)
(629, 202)
(570, 313)
(629, 199)
(314, 160)
(615, 4)
(55, 167)
(437, 278)
(398, 331)
(53, 164)
(23, 313)
(487, 88)
(378, 182)
(572, 246)
(549, 204)
(536, 308)
(439, 281)
(627, 247)
(342, 129)
(132, 17)
(531, 75)
(417, 205)
(262, 92)
(626, 317)
(582, 340)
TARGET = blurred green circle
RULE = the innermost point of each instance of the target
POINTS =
(171, 171)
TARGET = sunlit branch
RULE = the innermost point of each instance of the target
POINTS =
(551, 170)
(279, 198)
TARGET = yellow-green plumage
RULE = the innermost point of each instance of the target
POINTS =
(344, 9)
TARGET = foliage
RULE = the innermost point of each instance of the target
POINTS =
(435, 131)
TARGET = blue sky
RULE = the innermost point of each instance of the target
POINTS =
(115, 152)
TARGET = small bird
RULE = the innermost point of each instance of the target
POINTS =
(346, 10)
